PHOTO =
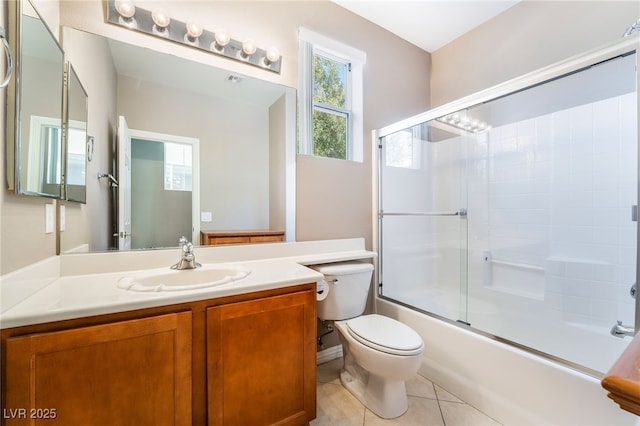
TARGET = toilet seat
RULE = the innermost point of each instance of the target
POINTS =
(385, 334)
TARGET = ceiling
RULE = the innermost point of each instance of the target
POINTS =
(147, 65)
(429, 24)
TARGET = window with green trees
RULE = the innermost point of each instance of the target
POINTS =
(330, 98)
(331, 109)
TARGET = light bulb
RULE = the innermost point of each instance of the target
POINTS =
(161, 21)
(248, 48)
(125, 8)
(194, 29)
(160, 18)
(222, 37)
(273, 55)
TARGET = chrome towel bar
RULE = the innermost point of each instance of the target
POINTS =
(461, 212)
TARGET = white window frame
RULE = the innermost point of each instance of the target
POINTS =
(311, 43)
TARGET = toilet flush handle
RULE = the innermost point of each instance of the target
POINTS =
(332, 281)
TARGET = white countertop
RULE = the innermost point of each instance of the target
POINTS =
(87, 294)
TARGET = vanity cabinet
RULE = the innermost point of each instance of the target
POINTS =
(261, 358)
(95, 375)
(246, 359)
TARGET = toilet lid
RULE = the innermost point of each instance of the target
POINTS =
(385, 334)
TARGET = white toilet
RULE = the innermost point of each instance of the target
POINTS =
(380, 353)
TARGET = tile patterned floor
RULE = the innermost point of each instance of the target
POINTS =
(429, 405)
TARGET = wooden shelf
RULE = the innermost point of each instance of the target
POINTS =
(623, 379)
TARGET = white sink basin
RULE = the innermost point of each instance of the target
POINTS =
(186, 279)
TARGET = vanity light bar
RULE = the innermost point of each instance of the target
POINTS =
(125, 14)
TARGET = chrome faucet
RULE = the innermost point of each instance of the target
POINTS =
(620, 330)
(188, 259)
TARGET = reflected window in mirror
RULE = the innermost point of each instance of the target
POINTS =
(45, 148)
(76, 158)
(178, 170)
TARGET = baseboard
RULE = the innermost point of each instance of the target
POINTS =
(329, 354)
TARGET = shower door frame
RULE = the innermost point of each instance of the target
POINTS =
(623, 46)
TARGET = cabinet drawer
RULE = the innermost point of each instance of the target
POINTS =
(229, 240)
(267, 238)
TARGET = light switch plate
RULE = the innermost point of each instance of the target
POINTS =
(206, 216)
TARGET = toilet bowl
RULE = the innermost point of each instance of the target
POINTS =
(374, 370)
(379, 353)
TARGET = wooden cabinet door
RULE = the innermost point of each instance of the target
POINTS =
(135, 372)
(261, 361)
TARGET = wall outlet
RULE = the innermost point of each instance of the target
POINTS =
(49, 219)
(206, 216)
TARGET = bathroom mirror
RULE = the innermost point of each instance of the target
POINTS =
(34, 105)
(75, 149)
(244, 126)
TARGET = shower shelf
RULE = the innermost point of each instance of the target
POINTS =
(518, 265)
(516, 292)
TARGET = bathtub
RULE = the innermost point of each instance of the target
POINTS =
(509, 384)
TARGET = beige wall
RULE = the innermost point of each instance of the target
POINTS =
(333, 198)
(526, 37)
(396, 86)
(22, 229)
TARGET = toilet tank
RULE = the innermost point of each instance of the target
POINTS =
(348, 286)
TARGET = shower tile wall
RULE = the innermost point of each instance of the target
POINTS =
(550, 215)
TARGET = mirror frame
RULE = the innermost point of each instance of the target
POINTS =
(15, 11)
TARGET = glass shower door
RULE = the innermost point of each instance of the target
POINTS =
(422, 219)
(553, 252)
(518, 214)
